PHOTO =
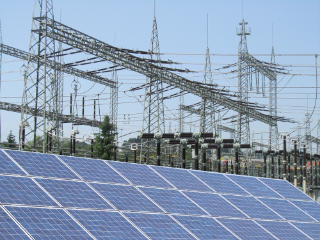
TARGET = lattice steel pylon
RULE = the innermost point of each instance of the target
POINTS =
(114, 89)
(207, 113)
(153, 112)
(40, 84)
(318, 134)
(181, 112)
(273, 128)
(0, 73)
(243, 132)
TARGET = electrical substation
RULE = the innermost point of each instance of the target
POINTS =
(191, 162)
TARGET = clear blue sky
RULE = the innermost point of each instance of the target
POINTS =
(182, 29)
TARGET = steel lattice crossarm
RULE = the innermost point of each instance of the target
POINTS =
(259, 144)
(14, 52)
(197, 111)
(310, 138)
(259, 66)
(81, 41)
(63, 118)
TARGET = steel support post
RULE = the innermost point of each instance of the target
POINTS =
(304, 170)
(295, 183)
(196, 158)
(237, 163)
(284, 161)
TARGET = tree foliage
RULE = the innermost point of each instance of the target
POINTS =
(11, 139)
(103, 146)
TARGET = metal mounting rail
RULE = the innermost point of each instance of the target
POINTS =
(86, 43)
(63, 118)
(14, 52)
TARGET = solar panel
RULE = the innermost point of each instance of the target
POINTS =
(44, 223)
(312, 229)
(140, 174)
(145, 201)
(107, 225)
(182, 179)
(311, 208)
(74, 194)
(286, 210)
(8, 166)
(20, 190)
(205, 228)
(93, 170)
(283, 230)
(9, 229)
(172, 201)
(285, 188)
(126, 197)
(219, 182)
(214, 204)
(38, 164)
(246, 229)
(252, 207)
(254, 186)
(158, 226)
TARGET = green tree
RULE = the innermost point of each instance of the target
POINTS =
(11, 139)
(103, 146)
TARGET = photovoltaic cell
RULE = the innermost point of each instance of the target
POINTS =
(74, 194)
(205, 228)
(286, 210)
(48, 223)
(254, 186)
(214, 204)
(182, 179)
(19, 190)
(159, 226)
(9, 229)
(126, 197)
(38, 164)
(173, 201)
(245, 229)
(219, 182)
(312, 229)
(140, 174)
(283, 230)
(8, 166)
(311, 208)
(286, 189)
(107, 225)
(93, 170)
(252, 207)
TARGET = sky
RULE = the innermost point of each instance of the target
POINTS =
(291, 26)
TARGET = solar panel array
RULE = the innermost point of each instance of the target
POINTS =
(57, 197)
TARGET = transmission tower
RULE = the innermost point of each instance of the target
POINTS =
(153, 119)
(307, 134)
(318, 134)
(243, 131)
(273, 128)
(114, 100)
(40, 84)
(0, 71)
(153, 112)
(181, 112)
(207, 114)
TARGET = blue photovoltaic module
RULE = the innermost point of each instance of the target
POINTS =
(58, 197)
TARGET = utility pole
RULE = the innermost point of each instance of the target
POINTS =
(243, 120)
